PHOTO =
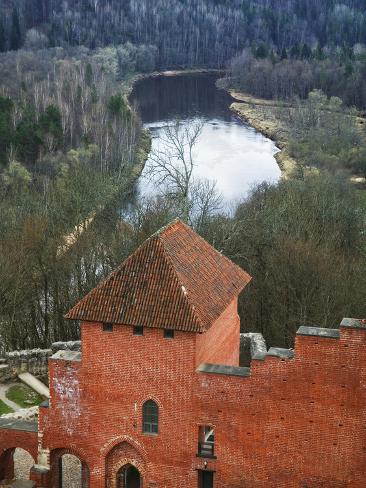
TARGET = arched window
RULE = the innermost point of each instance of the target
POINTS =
(150, 414)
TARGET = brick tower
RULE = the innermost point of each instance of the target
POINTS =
(157, 398)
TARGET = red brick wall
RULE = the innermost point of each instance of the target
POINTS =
(118, 373)
(17, 438)
(220, 344)
(10, 439)
(292, 423)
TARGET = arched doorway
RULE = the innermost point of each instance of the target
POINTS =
(128, 477)
(125, 467)
(68, 470)
(15, 464)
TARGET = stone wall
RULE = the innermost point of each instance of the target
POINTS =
(34, 361)
(66, 346)
(252, 346)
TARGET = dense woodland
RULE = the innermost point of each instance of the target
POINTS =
(295, 73)
(185, 32)
(69, 144)
(68, 152)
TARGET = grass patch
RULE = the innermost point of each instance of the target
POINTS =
(23, 396)
(4, 408)
(362, 197)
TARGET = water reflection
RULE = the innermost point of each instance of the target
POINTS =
(228, 150)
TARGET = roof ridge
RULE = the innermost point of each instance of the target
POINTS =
(165, 227)
(174, 279)
(183, 288)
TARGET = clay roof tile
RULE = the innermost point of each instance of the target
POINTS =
(174, 280)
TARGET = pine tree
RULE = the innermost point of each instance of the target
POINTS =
(27, 137)
(348, 70)
(306, 52)
(261, 51)
(319, 53)
(295, 51)
(2, 38)
(50, 124)
(6, 131)
(16, 35)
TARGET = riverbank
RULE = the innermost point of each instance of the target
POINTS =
(259, 114)
(141, 155)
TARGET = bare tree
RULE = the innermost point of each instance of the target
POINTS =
(206, 200)
(172, 164)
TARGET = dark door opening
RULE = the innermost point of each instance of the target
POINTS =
(205, 479)
(128, 477)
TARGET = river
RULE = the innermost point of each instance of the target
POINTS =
(227, 151)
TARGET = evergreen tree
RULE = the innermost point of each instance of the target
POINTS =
(116, 105)
(319, 53)
(2, 37)
(89, 75)
(50, 124)
(348, 70)
(306, 52)
(15, 35)
(295, 51)
(6, 132)
(284, 53)
(94, 94)
(27, 137)
(261, 51)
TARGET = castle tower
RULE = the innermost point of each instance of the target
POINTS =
(129, 399)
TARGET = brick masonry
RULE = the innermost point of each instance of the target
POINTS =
(296, 422)
(294, 419)
(9, 440)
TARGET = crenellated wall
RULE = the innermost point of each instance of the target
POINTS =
(295, 418)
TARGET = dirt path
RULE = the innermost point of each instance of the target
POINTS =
(9, 403)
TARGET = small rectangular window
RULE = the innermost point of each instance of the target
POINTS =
(206, 441)
(169, 333)
(107, 327)
(138, 330)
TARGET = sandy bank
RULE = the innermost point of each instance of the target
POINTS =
(258, 113)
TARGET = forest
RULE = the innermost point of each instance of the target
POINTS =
(185, 32)
(293, 73)
(71, 149)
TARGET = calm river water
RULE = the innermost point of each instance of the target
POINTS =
(228, 151)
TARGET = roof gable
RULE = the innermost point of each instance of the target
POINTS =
(174, 280)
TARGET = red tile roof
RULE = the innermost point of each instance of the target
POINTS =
(174, 280)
